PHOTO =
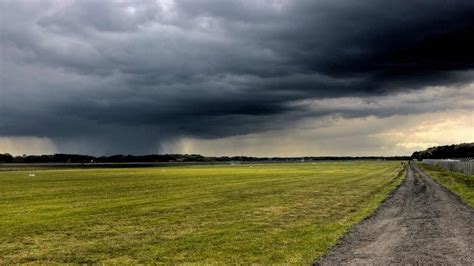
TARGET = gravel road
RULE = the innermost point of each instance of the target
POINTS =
(420, 223)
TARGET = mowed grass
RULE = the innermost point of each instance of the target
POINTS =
(460, 184)
(262, 213)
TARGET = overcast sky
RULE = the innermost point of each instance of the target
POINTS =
(243, 77)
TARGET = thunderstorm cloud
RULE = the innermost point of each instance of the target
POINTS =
(270, 77)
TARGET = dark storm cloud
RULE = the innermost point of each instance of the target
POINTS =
(124, 74)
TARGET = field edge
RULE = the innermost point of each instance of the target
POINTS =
(399, 179)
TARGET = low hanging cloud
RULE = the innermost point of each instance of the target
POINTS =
(407, 121)
(137, 76)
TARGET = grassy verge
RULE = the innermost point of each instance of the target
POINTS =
(263, 213)
(460, 184)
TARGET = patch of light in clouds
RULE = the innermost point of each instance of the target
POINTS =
(27, 145)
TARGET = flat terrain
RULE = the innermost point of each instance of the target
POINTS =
(421, 223)
(261, 213)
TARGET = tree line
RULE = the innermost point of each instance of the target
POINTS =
(455, 151)
(152, 158)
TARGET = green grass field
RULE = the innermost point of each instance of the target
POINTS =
(261, 213)
(460, 184)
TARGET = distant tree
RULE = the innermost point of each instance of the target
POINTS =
(6, 158)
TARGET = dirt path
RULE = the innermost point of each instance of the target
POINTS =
(421, 223)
